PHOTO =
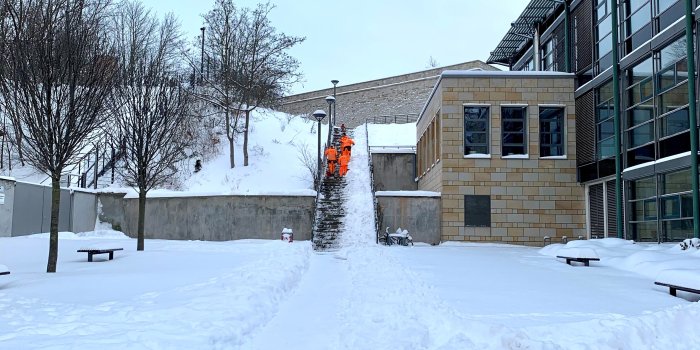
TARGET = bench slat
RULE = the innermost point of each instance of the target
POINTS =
(673, 288)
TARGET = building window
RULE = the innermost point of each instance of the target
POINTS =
(477, 211)
(640, 113)
(513, 130)
(603, 35)
(637, 23)
(643, 210)
(476, 129)
(670, 212)
(605, 131)
(672, 101)
(552, 131)
(548, 56)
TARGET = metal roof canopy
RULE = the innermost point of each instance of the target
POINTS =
(521, 30)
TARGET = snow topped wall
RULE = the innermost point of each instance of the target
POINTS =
(212, 218)
(402, 94)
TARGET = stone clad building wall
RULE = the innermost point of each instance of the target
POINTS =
(530, 197)
(398, 95)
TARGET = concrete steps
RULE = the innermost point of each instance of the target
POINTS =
(328, 225)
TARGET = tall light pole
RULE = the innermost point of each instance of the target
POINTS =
(201, 67)
(334, 82)
(319, 114)
(331, 101)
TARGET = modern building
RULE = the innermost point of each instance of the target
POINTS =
(632, 96)
(500, 147)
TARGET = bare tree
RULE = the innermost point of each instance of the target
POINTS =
(432, 63)
(250, 67)
(222, 46)
(267, 70)
(56, 76)
(149, 101)
(309, 160)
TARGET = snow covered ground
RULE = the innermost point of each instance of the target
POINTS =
(254, 294)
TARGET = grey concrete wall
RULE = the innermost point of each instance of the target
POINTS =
(84, 211)
(394, 171)
(419, 215)
(213, 218)
(111, 209)
(401, 94)
(29, 210)
(6, 206)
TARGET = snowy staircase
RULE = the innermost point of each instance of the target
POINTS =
(329, 211)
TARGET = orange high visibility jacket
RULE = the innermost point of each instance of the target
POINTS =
(331, 153)
(344, 160)
(345, 141)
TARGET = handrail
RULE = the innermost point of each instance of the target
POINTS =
(394, 119)
(371, 177)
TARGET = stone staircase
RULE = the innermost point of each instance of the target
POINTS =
(329, 210)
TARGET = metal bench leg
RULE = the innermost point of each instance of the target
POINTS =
(89, 257)
(585, 262)
(111, 255)
(673, 291)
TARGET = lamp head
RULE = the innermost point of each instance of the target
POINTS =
(330, 99)
(319, 114)
(334, 81)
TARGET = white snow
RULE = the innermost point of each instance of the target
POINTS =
(4, 268)
(578, 252)
(256, 294)
(689, 278)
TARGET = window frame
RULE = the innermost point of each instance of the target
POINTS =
(488, 130)
(526, 150)
(563, 130)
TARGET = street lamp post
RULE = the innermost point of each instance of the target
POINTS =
(335, 107)
(201, 66)
(331, 101)
(319, 114)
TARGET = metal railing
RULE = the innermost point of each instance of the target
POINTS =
(375, 205)
(393, 119)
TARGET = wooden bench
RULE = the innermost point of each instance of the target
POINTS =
(674, 288)
(4, 270)
(4, 273)
(94, 251)
(585, 261)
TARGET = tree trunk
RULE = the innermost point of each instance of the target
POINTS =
(245, 137)
(229, 136)
(53, 231)
(142, 220)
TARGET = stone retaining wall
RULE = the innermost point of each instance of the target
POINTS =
(397, 95)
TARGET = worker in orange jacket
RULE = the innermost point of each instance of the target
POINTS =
(346, 143)
(332, 156)
(344, 160)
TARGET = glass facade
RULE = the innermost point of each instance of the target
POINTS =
(661, 207)
(605, 132)
(603, 35)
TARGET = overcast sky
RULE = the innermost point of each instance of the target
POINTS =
(359, 40)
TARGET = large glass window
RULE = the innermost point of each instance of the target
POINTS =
(637, 26)
(513, 129)
(603, 31)
(551, 131)
(670, 212)
(605, 130)
(643, 210)
(672, 87)
(640, 110)
(476, 129)
(548, 55)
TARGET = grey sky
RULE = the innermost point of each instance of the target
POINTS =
(360, 40)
